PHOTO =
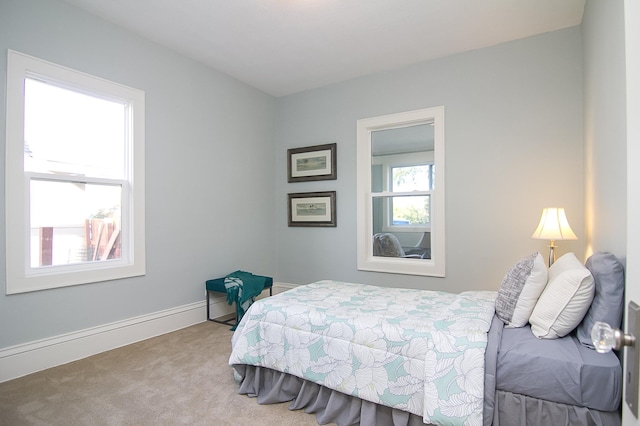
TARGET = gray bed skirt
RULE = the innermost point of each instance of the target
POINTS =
(329, 406)
(518, 410)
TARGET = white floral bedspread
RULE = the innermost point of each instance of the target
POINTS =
(415, 350)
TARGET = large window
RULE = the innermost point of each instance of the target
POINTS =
(75, 177)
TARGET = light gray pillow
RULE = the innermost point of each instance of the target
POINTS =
(608, 302)
(564, 301)
(520, 290)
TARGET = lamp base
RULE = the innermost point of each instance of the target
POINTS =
(552, 253)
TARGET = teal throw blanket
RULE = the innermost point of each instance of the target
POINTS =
(242, 289)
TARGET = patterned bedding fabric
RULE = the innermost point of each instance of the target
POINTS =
(415, 350)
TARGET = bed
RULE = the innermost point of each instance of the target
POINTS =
(360, 354)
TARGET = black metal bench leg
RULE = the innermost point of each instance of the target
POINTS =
(227, 322)
(208, 304)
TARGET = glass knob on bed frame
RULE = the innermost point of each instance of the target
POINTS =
(605, 338)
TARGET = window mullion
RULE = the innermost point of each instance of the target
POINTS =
(74, 179)
(400, 194)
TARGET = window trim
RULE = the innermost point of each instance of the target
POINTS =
(20, 277)
(365, 259)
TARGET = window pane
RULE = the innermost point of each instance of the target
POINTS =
(69, 132)
(412, 178)
(411, 211)
(74, 222)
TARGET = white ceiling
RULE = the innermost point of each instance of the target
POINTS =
(287, 46)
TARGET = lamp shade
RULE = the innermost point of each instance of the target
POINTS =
(554, 226)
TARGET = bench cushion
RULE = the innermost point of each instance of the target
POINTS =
(217, 284)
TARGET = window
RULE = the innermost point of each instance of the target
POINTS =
(75, 177)
(400, 168)
(410, 210)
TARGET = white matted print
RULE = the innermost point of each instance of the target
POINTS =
(312, 209)
(316, 162)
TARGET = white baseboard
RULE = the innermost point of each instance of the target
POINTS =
(280, 287)
(20, 360)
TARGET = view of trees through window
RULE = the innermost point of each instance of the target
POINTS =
(412, 210)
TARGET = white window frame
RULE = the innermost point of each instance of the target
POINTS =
(21, 277)
(365, 259)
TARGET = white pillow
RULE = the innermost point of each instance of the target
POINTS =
(520, 290)
(564, 301)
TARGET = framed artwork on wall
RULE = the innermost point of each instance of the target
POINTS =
(316, 162)
(312, 209)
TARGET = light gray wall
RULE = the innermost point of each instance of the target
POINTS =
(209, 171)
(514, 145)
(605, 126)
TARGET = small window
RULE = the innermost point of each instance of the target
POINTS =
(75, 177)
(411, 212)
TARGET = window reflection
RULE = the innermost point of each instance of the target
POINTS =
(401, 193)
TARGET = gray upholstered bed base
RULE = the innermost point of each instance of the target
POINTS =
(330, 406)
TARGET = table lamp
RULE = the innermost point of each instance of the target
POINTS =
(553, 226)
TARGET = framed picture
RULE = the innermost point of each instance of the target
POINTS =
(312, 209)
(316, 162)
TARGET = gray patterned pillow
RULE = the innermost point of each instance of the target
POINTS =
(520, 290)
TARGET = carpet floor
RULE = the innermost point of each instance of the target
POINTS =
(180, 378)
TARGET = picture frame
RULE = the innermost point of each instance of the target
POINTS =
(312, 209)
(317, 162)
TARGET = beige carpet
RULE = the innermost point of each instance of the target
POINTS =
(181, 378)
